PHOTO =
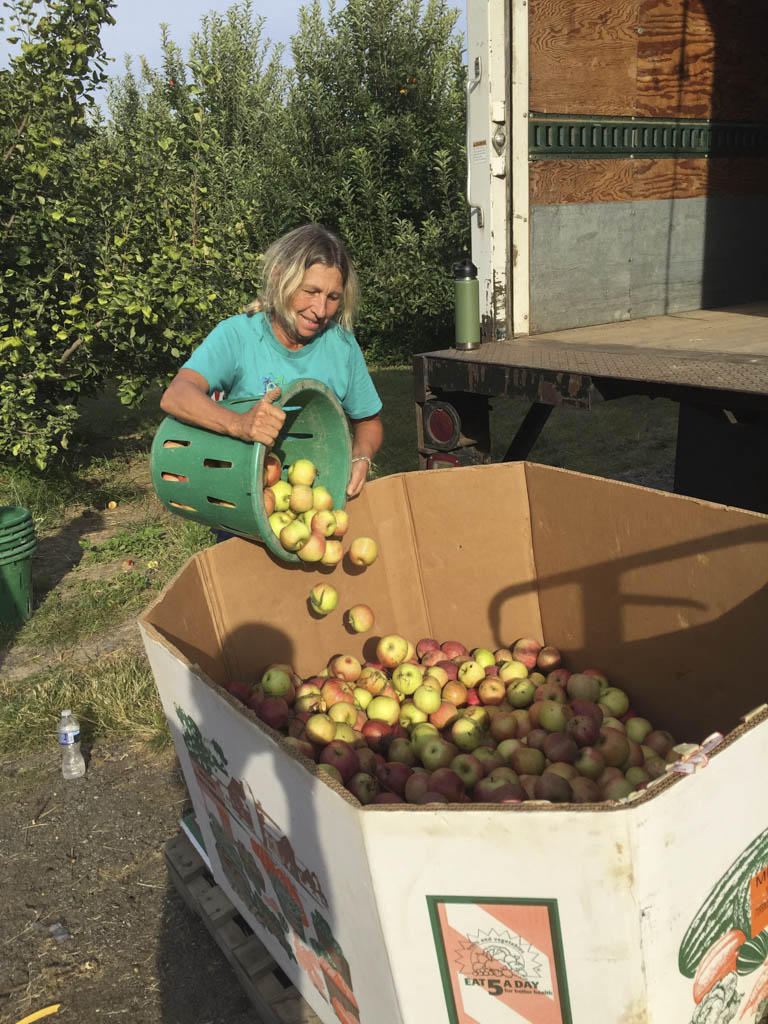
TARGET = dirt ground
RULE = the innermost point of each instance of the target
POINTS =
(90, 920)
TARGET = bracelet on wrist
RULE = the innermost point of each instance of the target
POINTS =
(361, 458)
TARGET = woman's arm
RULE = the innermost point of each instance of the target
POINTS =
(367, 436)
(186, 398)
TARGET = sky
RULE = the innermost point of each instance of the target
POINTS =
(137, 28)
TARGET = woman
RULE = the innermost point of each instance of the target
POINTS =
(299, 327)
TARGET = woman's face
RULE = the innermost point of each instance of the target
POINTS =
(316, 300)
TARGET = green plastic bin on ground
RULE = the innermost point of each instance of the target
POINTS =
(17, 545)
(218, 480)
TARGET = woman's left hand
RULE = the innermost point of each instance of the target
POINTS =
(357, 477)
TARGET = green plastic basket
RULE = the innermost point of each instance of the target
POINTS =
(218, 480)
(17, 545)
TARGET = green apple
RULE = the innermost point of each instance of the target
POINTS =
(427, 698)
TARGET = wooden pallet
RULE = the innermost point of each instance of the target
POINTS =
(268, 988)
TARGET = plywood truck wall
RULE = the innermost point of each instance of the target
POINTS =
(648, 157)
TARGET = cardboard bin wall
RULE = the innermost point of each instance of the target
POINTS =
(535, 913)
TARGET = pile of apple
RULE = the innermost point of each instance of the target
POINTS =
(302, 516)
(438, 723)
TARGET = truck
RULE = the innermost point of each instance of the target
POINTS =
(617, 183)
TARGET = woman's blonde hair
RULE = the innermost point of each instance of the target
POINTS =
(287, 260)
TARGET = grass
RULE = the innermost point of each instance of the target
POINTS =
(108, 462)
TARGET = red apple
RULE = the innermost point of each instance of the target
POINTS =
(346, 667)
(274, 712)
(360, 618)
(393, 775)
(377, 735)
(391, 650)
(526, 650)
(342, 756)
(448, 782)
(363, 551)
(453, 649)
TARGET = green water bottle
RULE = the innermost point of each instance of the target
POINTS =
(466, 290)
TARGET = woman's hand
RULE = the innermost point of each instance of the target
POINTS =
(368, 435)
(263, 421)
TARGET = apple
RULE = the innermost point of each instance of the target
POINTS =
(342, 522)
(433, 798)
(509, 671)
(346, 667)
(470, 673)
(660, 741)
(502, 654)
(554, 788)
(430, 658)
(313, 550)
(614, 723)
(526, 650)
(559, 676)
(362, 697)
(272, 470)
(583, 729)
(552, 715)
(524, 724)
(342, 713)
(426, 644)
(613, 746)
(331, 771)
(448, 782)
(537, 678)
(274, 712)
(281, 491)
(411, 715)
(391, 650)
(562, 768)
(321, 497)
(559, 747)
(427, 698)
(449, 667)
(483, 656)
(468, 768)
(372, 679)
(363, 551)
(585, 791)
(550, 691)
(445, 714)
(520, 694)
(294, 535)
(406, 677)
(346, 732)
(467, 734)
(617, 789)
(333, 552)
(588, 707)
(300, 498)
(638, 728)
(503, 726)
(489, 758)
(322, 521)
(323, 598)
(499, 790)
(383, 709)
(276, 682)
(377, 735)
(278, 520)
(548, 659)
(320, 728)
(386, 797)
(491, 691)
(535, 739)
(507, 748)
(363, 786)
(635, 756)
(360, 618)
(421, 733)
(615, 700)
(401, 749)
(601, 677)
(269, 501)
(367, 760)
(342, 756)
(528, 761)
(302, 471)
(393, 775)
(580, 686)
(437, 753)
(416, 786)
(453, 649)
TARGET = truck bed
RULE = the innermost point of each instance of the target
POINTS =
(711, 349)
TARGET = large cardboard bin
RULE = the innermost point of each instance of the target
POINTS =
(651, 911)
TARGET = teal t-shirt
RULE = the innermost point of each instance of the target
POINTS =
(242, 357)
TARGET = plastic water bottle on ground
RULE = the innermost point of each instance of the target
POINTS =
(72, 762)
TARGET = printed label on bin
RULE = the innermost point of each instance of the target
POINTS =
(501, 960)
(758, 894)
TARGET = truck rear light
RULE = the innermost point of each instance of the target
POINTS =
(442, 426)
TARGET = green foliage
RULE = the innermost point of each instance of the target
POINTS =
(125, 241)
